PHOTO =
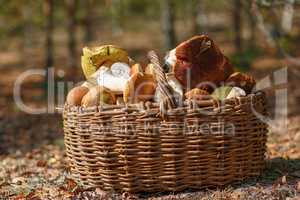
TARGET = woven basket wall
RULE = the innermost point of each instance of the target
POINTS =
(136, 148)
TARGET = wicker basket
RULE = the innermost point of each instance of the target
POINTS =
(156, 147)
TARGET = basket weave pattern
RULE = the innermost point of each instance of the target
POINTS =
(133, 149)
(138, 148)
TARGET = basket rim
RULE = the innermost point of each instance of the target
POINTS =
(115, 109)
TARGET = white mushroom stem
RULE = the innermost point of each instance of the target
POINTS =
(120, 69)
(106, 79)
(170, 59)
(174, 83)
(236, 92)
(176, 87)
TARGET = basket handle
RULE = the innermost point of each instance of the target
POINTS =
(168, 101)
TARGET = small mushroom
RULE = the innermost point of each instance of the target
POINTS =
(76, 94)
(197, 94)
(136, 68)
(98, 96)
(244, 81)
(236, 92)
(140, 87)
(221, 92)
(226, 92)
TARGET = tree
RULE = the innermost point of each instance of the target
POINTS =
(71, 28)
(167, 17)
(117, 16)
(237, 25)
(87, 21)
(198, 17)
(48, 11)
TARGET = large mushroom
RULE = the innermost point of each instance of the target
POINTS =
(94, 58)
(198, 63)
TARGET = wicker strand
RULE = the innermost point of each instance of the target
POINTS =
(163, 85)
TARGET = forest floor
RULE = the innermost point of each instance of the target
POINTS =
(42, 172)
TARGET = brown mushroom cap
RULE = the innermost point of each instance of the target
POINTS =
(139, 88)
(197, 94)
(76, 94)
(241, 80)
(200, 60)
(97, 96)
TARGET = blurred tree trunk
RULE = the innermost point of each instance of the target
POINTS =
(167, 15)
(87, 22)
(48, 83)
(198, 17)
(237, 25)
(252, 23)
(71, 28)
(27, 13)
(48, 11)
(247, 6)
(117, 16)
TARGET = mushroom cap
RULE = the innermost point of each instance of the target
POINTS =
(200, 60)
(241, 80)
(140, 87)
(197, 94)
(98, 96)
(221, 92)
(136, 68)
(76, 94)
(95, 57)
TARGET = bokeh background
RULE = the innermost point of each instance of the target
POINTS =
(258, 36)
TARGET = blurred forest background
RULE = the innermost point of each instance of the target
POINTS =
(258, 36)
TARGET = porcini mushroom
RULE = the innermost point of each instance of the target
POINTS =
(98, 96)
(106, 79)
(94, 58)
(197, 94)
(140, 87)
(121, 70)
(76, 94)
(198, 60)
(136, 68)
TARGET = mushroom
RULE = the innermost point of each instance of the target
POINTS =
(94, 58)
(121, 70)
(76, 94)
(226, 92)
(98, 96)
(197, 94)
(244, 81)
(236, 92)
(198, 61)
(140, 87)
(136, 68)
(106, 79)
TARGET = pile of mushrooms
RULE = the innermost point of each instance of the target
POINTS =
(112, 77)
